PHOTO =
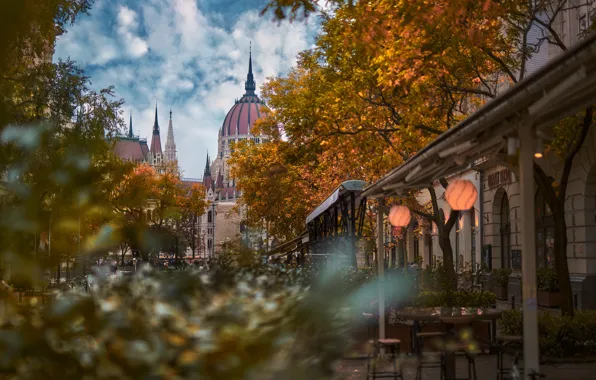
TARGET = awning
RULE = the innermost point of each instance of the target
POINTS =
(352, 185)
(562, 87)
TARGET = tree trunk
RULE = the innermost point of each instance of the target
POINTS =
(557, 205)
(123, 250)
(448, 264)
(560, 245)
(444, 229)
(562, 265)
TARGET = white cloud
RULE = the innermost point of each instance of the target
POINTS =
(185, 59)
(127, 26)
(127, 17)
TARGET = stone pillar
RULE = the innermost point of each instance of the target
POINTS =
(465, 244)
(410, 244)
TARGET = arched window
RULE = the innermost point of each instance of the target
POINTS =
(545, 233)
(209, 217)
(505, 231)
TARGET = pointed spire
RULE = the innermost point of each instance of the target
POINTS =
(250, 85)
(130, 135)
(156, 124)
(250, 58)
(170, 151)
(155, 139)
(207, 172)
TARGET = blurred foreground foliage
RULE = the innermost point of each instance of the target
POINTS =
(559, 336)
(259, 323)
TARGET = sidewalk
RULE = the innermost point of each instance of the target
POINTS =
(485, 366)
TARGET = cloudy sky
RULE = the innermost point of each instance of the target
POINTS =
(190, 55)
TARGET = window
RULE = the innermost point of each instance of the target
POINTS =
(209, 244)
(210, 217)
(416, 249)
(583, 23)
(545, 233)
(210, 231)
(585, 16)
(505, 232)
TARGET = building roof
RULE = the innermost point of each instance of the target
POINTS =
(226, 193)
(129, 149)
(144, 147)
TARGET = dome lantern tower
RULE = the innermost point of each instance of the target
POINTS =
(250, 85)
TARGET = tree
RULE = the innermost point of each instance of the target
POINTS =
(155, 210)
(53, 127)
(470, 51)
(374, 92)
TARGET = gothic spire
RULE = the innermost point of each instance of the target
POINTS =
(170, 150)
(155, 139)
(156, 124)
(250, 85)
(130, 135)
(207, 172)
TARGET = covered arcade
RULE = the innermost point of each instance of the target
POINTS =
(561, 88)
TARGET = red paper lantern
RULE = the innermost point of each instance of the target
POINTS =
(399, 216)
(461, 194)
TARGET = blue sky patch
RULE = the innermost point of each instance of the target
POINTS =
(188, 55)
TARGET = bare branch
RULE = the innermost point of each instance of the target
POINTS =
(501, 63)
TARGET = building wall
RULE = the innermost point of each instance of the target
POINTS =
(227, 223)
(207, 226)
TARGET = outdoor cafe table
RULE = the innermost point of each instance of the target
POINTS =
(436, 314)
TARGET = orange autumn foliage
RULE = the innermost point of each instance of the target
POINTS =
(384, 79)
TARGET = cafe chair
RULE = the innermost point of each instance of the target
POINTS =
(503, 343)
(458, 346)
(388, 345)
(428, 358)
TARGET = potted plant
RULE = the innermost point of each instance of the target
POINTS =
(501, 277)
(548, 288)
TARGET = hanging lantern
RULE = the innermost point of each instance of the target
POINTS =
(399, 216)
(461, 194)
